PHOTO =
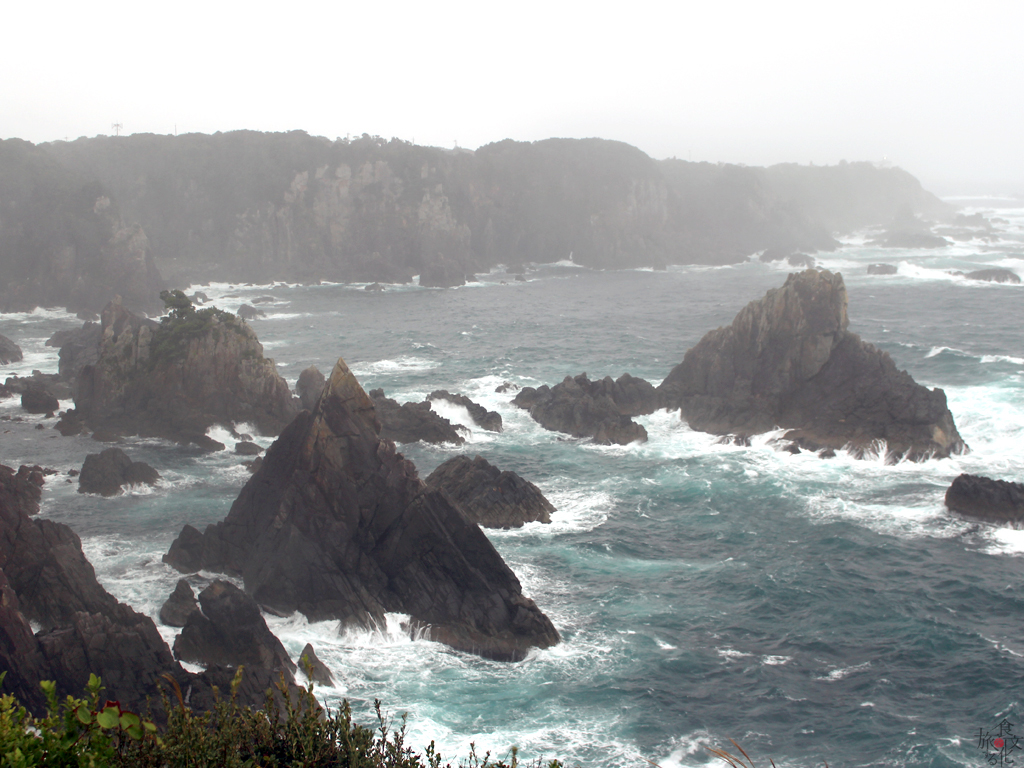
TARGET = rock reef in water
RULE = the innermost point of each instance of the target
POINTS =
(995, 501)
(597, 409)
(177, 378)
(337, 525)
(994, 275)
(488, 420)
(789, 361)
(489, 496)
(411, 422)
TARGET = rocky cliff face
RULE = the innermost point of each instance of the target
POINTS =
(337, 525)
(789, 361)
(247, 206)
(176, 378)
(63, 241)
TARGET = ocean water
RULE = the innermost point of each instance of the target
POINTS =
(813, 610)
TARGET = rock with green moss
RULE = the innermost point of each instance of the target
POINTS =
(177, 378)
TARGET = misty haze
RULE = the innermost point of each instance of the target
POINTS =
(614, 385)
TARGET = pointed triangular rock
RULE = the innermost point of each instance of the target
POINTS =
(337, 525)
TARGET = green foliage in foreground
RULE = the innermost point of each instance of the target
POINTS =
(79, 733)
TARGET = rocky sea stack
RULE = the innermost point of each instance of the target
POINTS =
(177, 378)
(995, 501)
(789, 361)
(337, 525)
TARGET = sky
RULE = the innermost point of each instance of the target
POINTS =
(934, 87)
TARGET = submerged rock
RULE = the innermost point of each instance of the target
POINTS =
(789, 361)
(489, 496)
(994, 275)
(337, 525)
(9, 351)
(107, 472)
(995, 501)
(597, 409)
(489, 420)
(410, 422)
(882, 269)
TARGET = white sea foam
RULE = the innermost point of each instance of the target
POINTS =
(405, 364)
(839, 673)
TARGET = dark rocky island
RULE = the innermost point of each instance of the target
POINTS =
(336, 524)
(489, 496)
(789, 361)
(601, 410)
(995, 501)
(107, 472)
(177, 378)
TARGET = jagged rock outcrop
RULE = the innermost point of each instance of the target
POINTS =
(230, 631)
(177, 378)
(488, 420)
(45, 578)
(247, 312)
(442, 273)
(410, 422)
(598, 409)
(317, 671)
(9, 351)
(179, 606)
(309, 386)
(489, 496)
(337, 525)
(789, 361)
(107, 472)
(995, 501)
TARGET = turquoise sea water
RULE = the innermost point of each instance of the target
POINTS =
(810, 609)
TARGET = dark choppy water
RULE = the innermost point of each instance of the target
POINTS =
(812, 610)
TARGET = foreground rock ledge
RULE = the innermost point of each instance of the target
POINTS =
(789, 361)
(337, 525)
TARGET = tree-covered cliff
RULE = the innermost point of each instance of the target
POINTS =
(249, 206)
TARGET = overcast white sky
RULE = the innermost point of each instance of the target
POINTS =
(935, 87)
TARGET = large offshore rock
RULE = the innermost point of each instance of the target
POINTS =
(996, 501)
(177, 378)
(230, 631)
(411, 422)
(489, 496)
(789, 361)
(107, 472)
(337, 525)
(179, 606)
(598, 409)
